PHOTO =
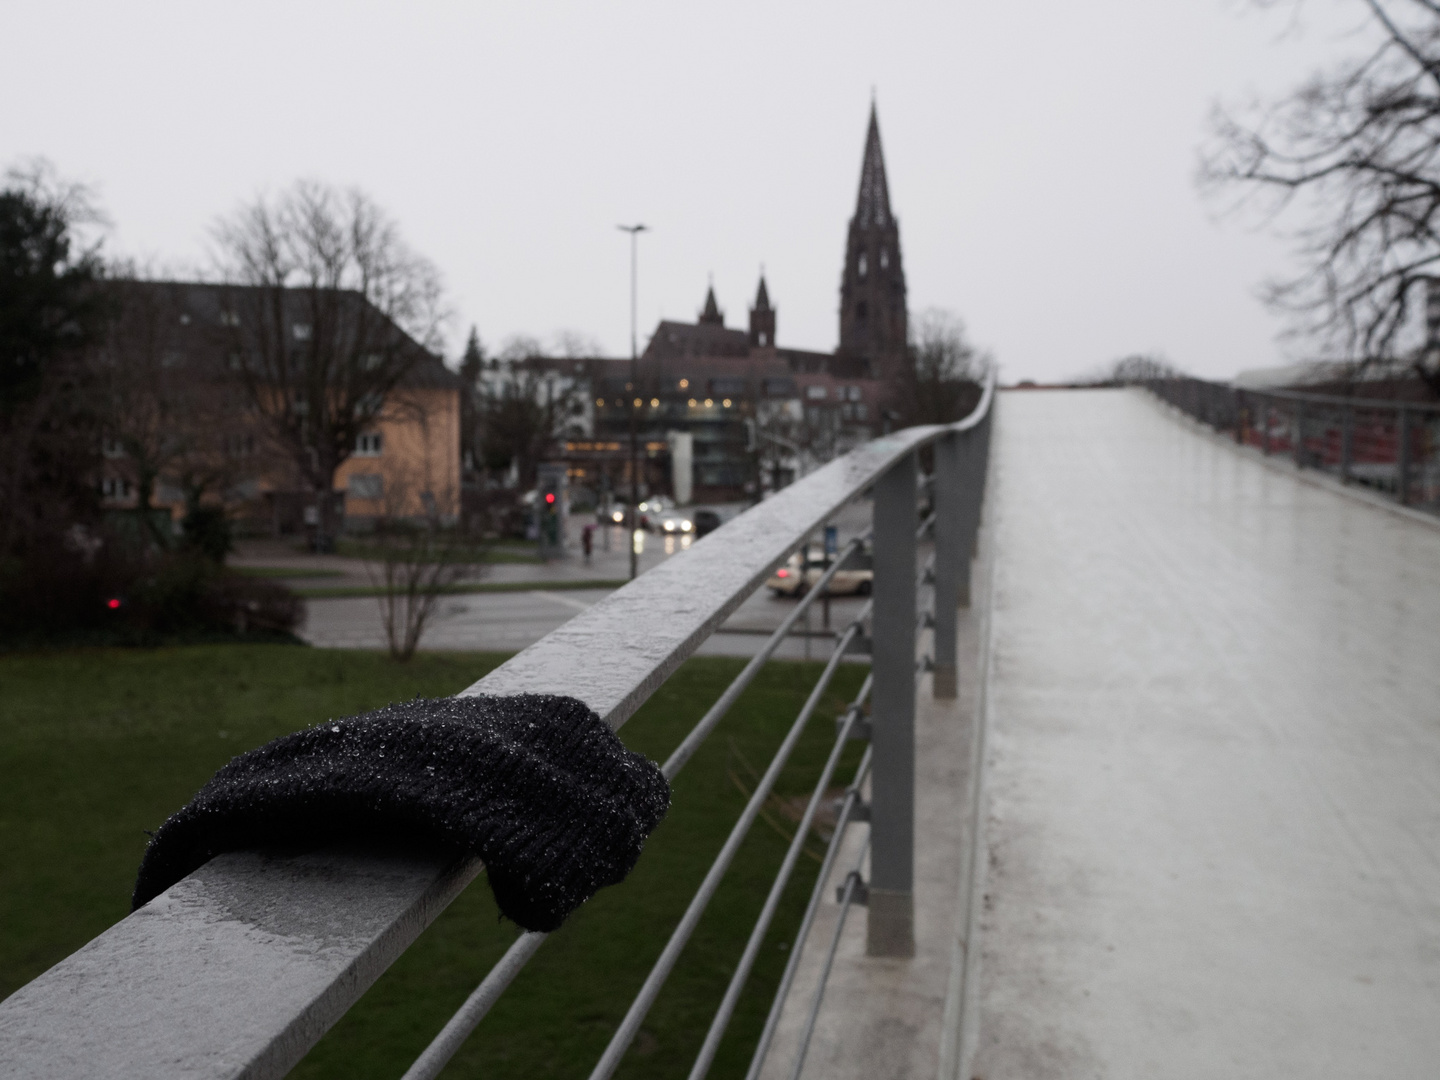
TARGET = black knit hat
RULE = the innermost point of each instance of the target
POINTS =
(536, 785)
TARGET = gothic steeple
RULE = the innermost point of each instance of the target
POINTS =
(712, 315)
(762, 318)
(872, 289)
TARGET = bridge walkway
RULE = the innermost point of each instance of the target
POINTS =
(1213, 766)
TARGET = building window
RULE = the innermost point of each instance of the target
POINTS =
(365, 486)
(112, 447)
(764, 338)
(114, 487)
(229, 318)
(368, 444)
(860, 411)
(861, 311)
(815, 393)
(301, 331)
(853, 393)
(371, 361)
(884, 259)
(862, 266)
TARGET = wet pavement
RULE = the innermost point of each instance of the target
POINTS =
(1214, 816)
(509, 621)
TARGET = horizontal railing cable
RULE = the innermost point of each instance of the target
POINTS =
(625, 1034)
(847, 898)
(459, 1027)
(842, 820)
(716, 712)
(777, 889)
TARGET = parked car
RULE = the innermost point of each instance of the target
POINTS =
(804, 568)
(706, 521)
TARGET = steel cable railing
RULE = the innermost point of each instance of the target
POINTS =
(782, 878)
(787, 978)
(1388, 446)
(464, 1021)
(625, 1034)
(305, 987)
(853, 882)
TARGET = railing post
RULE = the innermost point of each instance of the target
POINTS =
(953, 544)
(1402, 456)
(891, 930)
(1347, 441)
(1264, 407)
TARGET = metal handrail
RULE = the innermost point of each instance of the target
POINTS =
(444, 1046)
(1391, 447)
(241, 967)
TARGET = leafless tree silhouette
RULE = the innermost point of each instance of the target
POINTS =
(327, 307)
(1355, 153)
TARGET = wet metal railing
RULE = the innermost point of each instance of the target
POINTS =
(1389, 447)
(237, 970)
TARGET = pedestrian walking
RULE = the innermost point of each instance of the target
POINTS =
(587, 540)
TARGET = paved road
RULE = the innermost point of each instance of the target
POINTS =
(511, 621)
(1214, 827)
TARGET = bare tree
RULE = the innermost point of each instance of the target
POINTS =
(943, 381)
(526, 406)
(1356, 151)
(414, 563)
(329, 311)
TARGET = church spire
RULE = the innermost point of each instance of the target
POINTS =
(762, 318)
(712, 315)
(873, 319)
(872, 205)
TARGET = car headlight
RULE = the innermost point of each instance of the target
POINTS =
(618, 516)
(686, 526)
(669, 526)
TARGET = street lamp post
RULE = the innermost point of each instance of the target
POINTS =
(633, 390)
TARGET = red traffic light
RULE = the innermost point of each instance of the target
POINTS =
(549, 496)
(113, 603)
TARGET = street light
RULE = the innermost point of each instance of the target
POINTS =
(632, 390)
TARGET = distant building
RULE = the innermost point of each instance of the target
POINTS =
(176, 346)
(759, 413)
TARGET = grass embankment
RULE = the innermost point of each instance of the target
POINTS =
(97, 745)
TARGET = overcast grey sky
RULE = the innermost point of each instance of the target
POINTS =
(1040, 155)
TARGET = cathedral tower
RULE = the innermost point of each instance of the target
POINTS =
(872, 289)
(762, 319)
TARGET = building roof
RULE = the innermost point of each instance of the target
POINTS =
(204, 307)
(673, 340)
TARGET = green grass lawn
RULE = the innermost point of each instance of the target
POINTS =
(98, 745)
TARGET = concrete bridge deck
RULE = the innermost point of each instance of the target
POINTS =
(1214, 761)
(1212, 780)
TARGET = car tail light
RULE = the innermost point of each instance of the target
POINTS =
(782, 573)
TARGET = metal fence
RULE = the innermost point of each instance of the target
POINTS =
(1391, 447)
(239, 969)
